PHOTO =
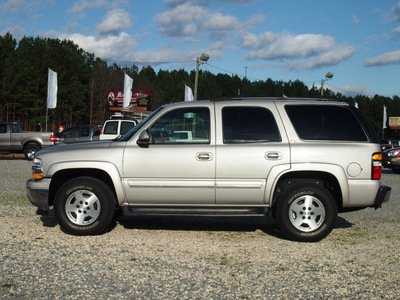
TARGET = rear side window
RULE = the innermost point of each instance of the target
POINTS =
(111, 127)
(3, 128)
(325, 122)
(126, 126)
(85, 131)
(249, 125)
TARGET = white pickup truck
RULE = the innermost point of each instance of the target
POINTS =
(14, 140)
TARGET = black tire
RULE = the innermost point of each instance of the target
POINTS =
(84, 206)
(30, 150)
(306, 212)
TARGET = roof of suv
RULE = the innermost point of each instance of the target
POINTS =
(275, 98)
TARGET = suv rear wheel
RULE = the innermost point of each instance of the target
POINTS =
(306, 212)
(84, 206)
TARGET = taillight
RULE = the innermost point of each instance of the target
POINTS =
(52, 138)
(376, 166)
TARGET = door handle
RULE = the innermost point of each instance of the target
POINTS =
(204, 156)
(273, 155)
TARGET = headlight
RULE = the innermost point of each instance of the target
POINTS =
(393, 153)
(37, 168)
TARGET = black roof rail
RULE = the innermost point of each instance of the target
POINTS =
(272, 98)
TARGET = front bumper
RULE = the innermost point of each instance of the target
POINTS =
(391, 162)
(38, 193)
(382, 196)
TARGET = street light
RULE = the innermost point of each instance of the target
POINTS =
(328, 76)
(202, 59)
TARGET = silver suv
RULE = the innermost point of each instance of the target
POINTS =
(299, 160)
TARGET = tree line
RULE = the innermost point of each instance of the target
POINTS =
(84, 80)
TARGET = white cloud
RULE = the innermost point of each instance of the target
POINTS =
(397, 30)
(220, 22)
(356, 19)
(13, 5)
(328, 58)
(83, 5)
(252, 41)
(396, 13)
(348, 90)
(16, 31)
(183, 20)
(289, 46)
(114, 22)
(190, 18)
(387, 58)
(106, 47)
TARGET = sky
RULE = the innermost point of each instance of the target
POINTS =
(356, 40)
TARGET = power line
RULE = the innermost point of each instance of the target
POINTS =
(148, 62)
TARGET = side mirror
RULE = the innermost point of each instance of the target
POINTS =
(144, 138)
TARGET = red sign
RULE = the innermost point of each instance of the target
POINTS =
(394, 122)
(140, 98)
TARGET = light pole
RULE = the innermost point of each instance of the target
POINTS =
(328, 76)
(202, 59)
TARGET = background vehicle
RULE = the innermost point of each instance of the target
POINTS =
(289, 158)
(14, 139)
(77, 134)
(391, 159)
(115, 128)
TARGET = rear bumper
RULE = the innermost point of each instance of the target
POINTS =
(38, 193)
(382, 196)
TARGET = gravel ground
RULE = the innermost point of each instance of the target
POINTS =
(186, 258)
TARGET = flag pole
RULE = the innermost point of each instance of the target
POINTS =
(47, 101)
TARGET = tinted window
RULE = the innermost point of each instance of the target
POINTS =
(96, 131)
(3, 128)
(249, 125)
(16, 128)
(325, 122)
(71, 132)
(184, 125)
(111, 127)
(85, 131)
(126, 126)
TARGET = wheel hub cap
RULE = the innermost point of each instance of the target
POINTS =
(82, 207)
(306, 213)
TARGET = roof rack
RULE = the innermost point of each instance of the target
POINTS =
(271, 98)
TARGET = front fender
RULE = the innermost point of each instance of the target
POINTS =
(109, 168)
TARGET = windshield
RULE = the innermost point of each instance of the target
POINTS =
(135, 129)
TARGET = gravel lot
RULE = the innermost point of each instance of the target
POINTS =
(186, 258)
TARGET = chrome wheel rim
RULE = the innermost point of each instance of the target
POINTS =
(82, 207)
(307, 213)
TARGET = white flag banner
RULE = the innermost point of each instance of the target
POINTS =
(384, 117)
(52, 90)
(188, 94)
(356, 104)
(128, 82)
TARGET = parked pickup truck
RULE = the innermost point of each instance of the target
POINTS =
(14, 140)
(301, 161)
(78, 134)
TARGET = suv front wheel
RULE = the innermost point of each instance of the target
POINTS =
(306, 212)
(84, 206)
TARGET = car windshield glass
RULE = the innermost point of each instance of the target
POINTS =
(131, 132)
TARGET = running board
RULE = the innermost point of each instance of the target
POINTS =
(195, 211)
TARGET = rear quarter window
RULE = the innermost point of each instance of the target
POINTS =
(325, 122)
(249, 125)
